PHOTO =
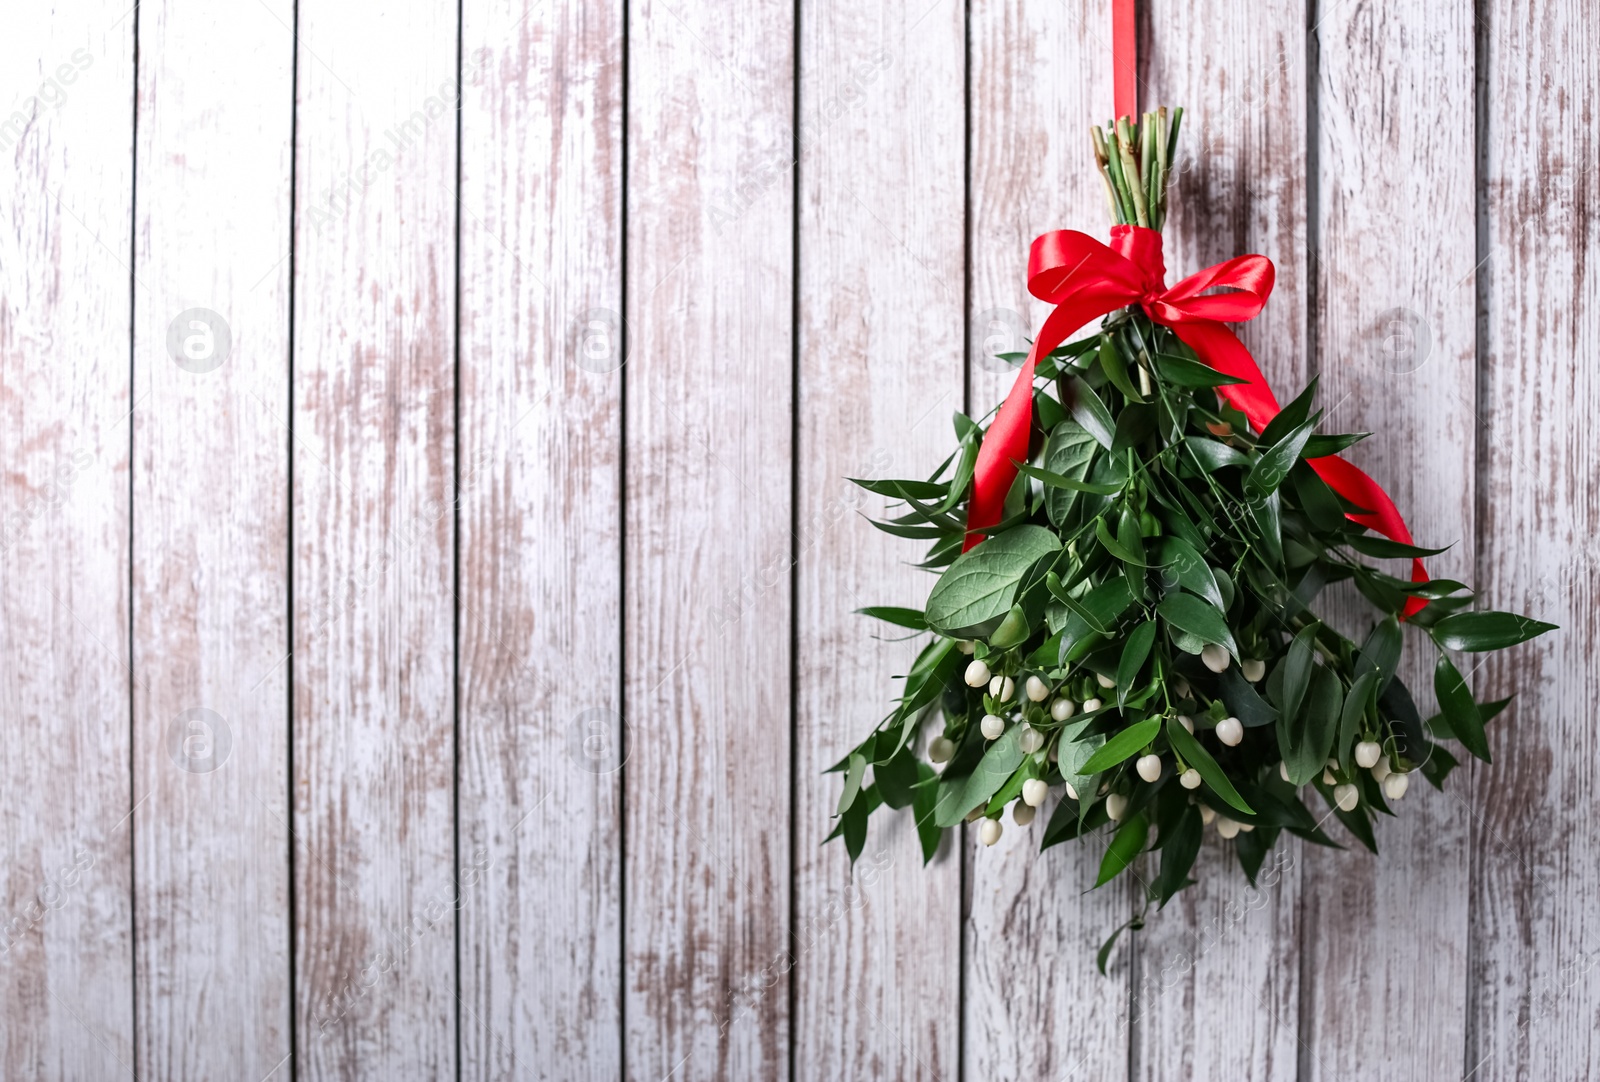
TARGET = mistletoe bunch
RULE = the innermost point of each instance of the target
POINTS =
(1139, 637)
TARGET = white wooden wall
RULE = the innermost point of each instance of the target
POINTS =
(429, 673)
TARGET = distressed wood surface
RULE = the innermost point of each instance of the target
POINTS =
(1240, 186)
(882, 191)
(66, 887)
(1386, 937)
(425, 841)
(373, 522)
(710, 298)
(211, 552)
(1031, 170)
(541, 574)
(1535, 948)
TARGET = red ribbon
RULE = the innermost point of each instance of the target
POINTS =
(1085, 280)
(1124, 59)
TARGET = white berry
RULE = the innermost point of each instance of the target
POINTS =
(1181, 688)
(989, 833)
(1381, 770)
(1031, 739)
(1022, 814)
(1207, 814)
(1245, 828)
(977, 674)
(1104, 681)
(1149, 767)
(1116, 805)
(992, 726)
(1346, 797)
(1189, 779)
(1283, 771)
(1001, 688)
(1038, 690)
(1395, 786)
(1073, 793)
(1062, 709)
(1227, 827)
(1187, 722)
(1034, 790)
(1253, 669)
(1214, 657)
(1328, 778)
(940, 748)
(1230, 731)
(966, 646)
(975, 814)
(1091, 704)
(1367, 753)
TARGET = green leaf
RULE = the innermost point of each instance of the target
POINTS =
(1383, 549)
(1290, 417)
(1273, 466)
(1116, 369)
(1068, 454)
(1116, 545)
(1134, 653)
(1013, 630)
(1316, 499)
(1474, 632)
(1458, 707)
(1296, 677)
(1195, 754)
(978, 587)
(1183, 566)
(900, 490)
(896, 779)
(1123, 745)
(1243, 701)
(852, 782)
(1134, 425)
(1381, 652)
(900, 617)
(1104, 953)
(853, 823)
(924, 796)
(998, 763)
(1182, 372)
(1355, 707)
(1126, 845)
(1189, 613)
(1091, 413)
(1268, 518)
(1322, 445)
(1179, 847)
(1095, 613)
(1056, 480)
(1306, 741)
(1213, 455)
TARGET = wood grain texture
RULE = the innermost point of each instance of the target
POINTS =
(373, 521)
(211, 552)
(1035, 89)
(66, 951)
(709, 421)
(1535, 976)
(541, 537)
(882, 247)
(1239, 187)
(1387, 937)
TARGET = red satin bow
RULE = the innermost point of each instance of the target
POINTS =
(1085, 279)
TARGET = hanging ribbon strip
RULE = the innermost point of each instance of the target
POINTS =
(1125, 59)
(1085, 280)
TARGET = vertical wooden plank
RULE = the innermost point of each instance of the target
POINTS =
(1239, 187)
(882, 175)
(210, 553)
(1041, 74)
(1535, 937)
(66, 952)
(709, 426)
(1395, 341)
(373, 519)
(541, 517)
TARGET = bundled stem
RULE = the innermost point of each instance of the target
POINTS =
(1135, 165)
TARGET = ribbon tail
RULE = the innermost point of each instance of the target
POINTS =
(1006, 442)
(1220, 348)
(1382, 517)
